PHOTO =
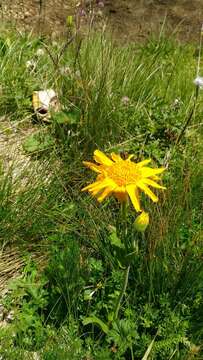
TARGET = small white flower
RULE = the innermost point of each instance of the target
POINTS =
(65, 70)
(176, 104)
(31, 65)
(54, 44)
(199, 81)
(78, 74)
(125, 100)
(40, 52)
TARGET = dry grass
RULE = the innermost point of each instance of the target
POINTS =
(12, 261)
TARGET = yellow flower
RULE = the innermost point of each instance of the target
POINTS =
(122, 178)
(141, 222)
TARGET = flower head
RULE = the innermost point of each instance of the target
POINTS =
(199, 81)
(125, 100)
(31, 65)
(40, 52)
(141, 222)
(123, 179)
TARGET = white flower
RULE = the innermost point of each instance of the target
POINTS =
(31, 65)
(40, 52)
(78, 74)
(125, 100)
(199, 81)
(54, 44)
(176, 104)
(64, 70)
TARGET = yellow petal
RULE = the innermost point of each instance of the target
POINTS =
(96, 191)
(116, 157)
(130, 156)
(106, 183)
(147, 191)
(134, 196)
(148, 172)
(153, 183)
(155, 177)
(92, 166)
(101, 158)
(94, 184)
(144, 162)
(100, 177)
(105, 193)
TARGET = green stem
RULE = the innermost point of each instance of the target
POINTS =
(132, 355)
(123, 290)
(126, 275)
(124, 210)
(124, 224)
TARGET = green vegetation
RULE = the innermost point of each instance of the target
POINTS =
(136, 100)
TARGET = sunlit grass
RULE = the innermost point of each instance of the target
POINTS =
(49, 215)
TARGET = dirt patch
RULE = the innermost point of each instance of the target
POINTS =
(136, 20)
(128, 19)
(41, 15)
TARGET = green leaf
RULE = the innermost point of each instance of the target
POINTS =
(69, 20)
(88, 294)
(114, 239)
(38, 141)
(149, 349)
(65, 117)
(95, 320)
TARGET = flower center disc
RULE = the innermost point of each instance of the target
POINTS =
(123, 173)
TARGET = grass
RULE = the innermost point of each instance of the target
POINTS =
(133, 99)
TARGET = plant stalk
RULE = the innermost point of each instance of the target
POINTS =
(123, 290)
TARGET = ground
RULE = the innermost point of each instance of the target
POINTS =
(132, 20)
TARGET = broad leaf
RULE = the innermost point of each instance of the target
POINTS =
(66, 117)
(95, 320)
(38, 142)
(114, 239)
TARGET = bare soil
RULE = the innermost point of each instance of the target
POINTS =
(137, 19)
(130, 20)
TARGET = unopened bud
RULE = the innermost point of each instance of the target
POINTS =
(141, 222)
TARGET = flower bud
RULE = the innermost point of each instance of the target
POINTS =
(141, 222)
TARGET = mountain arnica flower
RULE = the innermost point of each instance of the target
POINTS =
(123, 179)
